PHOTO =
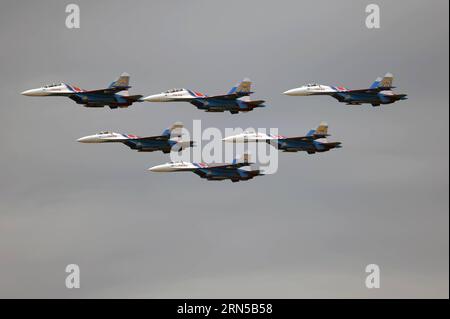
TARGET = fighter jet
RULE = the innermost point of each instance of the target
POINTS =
(315, 141)
(380, 92)
(92, 98)
(171, 139)
(235, 101)
(213, 172)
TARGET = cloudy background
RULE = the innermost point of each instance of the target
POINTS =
(306, 232)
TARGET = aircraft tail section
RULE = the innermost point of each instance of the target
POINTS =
(122, 82)
(333, 144)
(321, 130)
(256, 172)
(376, 83)
(246, 102)
(242, 88)
(387, 81)
(323, 140)
(384, 82)
(256, 103)
(175, 130)
(311, 132)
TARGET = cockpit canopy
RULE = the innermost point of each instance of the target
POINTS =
(105, 132)
(174, 90)
(311, 84)
(53, 85)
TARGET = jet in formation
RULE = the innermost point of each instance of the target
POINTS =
(213, 172)
(170, 140)
(235, 101)
(92, 98)
(315, 141)
(380, 92)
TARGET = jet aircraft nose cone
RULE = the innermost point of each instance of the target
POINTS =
(156, 168)
(83, 139)
(293, 92)
(228, 139)
(154, 98)
(87, 139)
(34, 92)
(160, 168)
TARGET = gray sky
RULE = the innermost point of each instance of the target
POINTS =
(307, 231)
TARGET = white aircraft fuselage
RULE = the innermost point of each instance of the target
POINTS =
(174, 167)
(247, 137)
(313, 89)
(48, 90)
(174, 95)
(105, 137)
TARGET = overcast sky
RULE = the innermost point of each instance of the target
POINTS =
(306, 232)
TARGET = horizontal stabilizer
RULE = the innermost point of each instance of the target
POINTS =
(333, 144)
(134, 98)
(255, 102)
(256, 172)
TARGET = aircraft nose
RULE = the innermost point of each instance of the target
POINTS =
(32, 92)
(86, 139)
(83, 139)
(154, 98)
(157, 168)
(293, 92)
(229, 139)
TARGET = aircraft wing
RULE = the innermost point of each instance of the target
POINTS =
(228, 165)
(111, 90)
(370, 90)
(153, 138)
(231, 96)
(304, 138)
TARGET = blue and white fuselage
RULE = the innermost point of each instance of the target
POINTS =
(380, 92)
(235, 101)
(171, 139)
(212, 172)
(91, 98)
(315, 141)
